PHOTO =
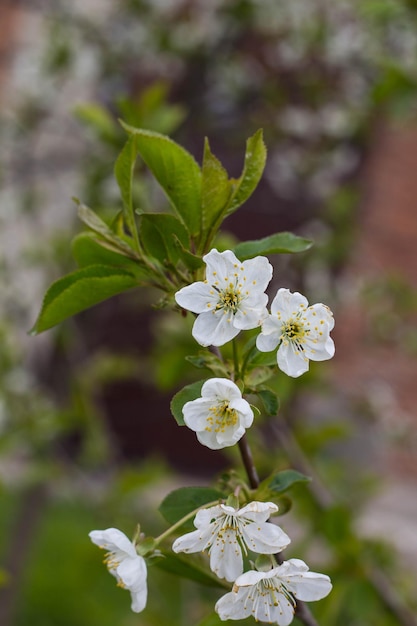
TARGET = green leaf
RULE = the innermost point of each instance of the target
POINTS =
(99, 119)
(160, 234)
(88, 249)
(93, 221)
(269, 400)
(187, 568)
(191, 261)
(176, 171)
(123, 171)
(255, 159)
(257, 376)
(210, 361)
(280, 243)
(216, 188)
(282, 481)
(188, 393)
(184, 500)
(79, 291)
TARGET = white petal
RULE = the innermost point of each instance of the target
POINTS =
(230, 435)
(283, 613)
(209, 439)
(113, 539)
(267, 343)
(244, 410)
(220, 265)
(139, 598)
(258, 273)
(234, 605)
(292, 362)
(196, 297)
(251, 317)
(132, 572)
(257, 511)
(196, 541)
(196, 412)
(204, 516)
(221, 389)
(226, 556)
(265, 538)
(319, 351)
(287, 303)
(214, 329)
(305, 585)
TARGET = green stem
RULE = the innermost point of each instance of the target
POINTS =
(236, 359)
(182, 521)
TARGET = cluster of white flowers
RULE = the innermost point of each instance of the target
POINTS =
(232, 298)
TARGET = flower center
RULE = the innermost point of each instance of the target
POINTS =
(229, 299)
(294, 331)
(220, 417)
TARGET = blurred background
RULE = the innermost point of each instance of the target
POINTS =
(86, 437)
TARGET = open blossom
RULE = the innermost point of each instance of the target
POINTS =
(220, 416)
(270, 596)
(223, 531)
(231, 298)
(302, 332)
(128, 567)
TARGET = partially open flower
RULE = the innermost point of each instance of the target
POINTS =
(231, 298)
(225, 531)
(220, 416)
(270, 596)
(128, 567)
(302, 332)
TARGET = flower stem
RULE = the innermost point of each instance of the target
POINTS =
(182, 521)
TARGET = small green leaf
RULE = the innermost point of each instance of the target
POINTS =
(160, 234)
(188, 393)
(184, 500)
(88, 249)
(93, 221)
(255, 158)
(190, 260)
(99, 119)
(257, 376)
(216, 188)
(209, 361)
(176, 171)
(187, 568)
(269, 400)
(123, 171)
(79, 291)
(282, 481)
(280, 243)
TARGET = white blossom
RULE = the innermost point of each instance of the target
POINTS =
(128, 567)
(231, 298)
(224, 531)
(271, 596)
(219, 418)
(302, 332)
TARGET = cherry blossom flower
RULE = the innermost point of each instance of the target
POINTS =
(231, 298)
(302, 332)
(220, 416)
(271, 596)
(128, 567)
(224, 531)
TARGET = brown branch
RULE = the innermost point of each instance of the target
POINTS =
(302, 611)
(324, 499)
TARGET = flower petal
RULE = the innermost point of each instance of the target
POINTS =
(226, 556)
(132, 572)
(113, 539)
(214, 328)
(265, 538)
(292, 362)
(220, 389)
(288, 303)
(196, 541)
(196, 412)
(196, 297)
